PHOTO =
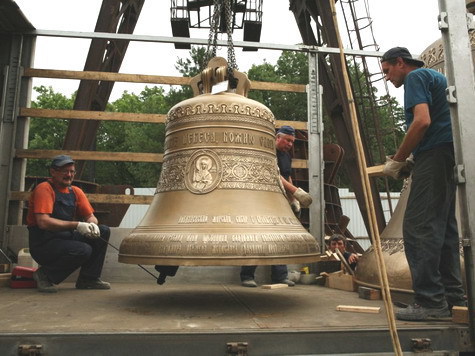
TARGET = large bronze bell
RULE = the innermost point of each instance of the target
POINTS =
(219, 200)
(392, 245)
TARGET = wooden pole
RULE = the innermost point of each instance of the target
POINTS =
(368, 196)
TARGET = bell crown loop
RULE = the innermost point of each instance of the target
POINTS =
(217, 72)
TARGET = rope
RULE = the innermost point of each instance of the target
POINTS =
(146, 270)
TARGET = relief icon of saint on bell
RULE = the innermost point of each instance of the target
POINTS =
(203, 172)
(202, 177)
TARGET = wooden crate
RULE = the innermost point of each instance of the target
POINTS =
(369, 293)
(339, 280)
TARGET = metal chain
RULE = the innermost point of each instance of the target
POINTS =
(213, 35)
(229, 30)
(213, 32)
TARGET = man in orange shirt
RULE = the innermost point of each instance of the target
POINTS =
(64, 234)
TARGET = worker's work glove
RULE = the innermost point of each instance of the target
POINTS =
(87, 229)
(95, 232)
(303, 197)
(409, 164)
(83, 228)
(295, 205)
(396, 169)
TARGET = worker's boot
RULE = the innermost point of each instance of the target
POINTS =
(416, 312)
(287, 281)
(94, 283)
(42, 282)
(249, 283)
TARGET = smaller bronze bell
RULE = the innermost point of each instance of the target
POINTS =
(219, 199)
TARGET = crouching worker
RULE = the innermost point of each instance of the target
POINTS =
(64, 234)
(338, 241)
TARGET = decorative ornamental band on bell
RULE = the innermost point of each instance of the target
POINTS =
(219, 198)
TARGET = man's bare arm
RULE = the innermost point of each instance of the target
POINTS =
(46, 222)
(415, 133)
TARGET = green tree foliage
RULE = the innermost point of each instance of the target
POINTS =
(133, 137)
(291, 67)
(47, 133)
(381, 121)
(188, 67)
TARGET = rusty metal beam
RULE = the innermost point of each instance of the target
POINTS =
(115, 16)
(335, 95)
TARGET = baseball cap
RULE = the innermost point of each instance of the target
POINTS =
(286, 130)
(402, 52)
(61, 160)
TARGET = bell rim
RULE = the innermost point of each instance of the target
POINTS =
(219, 260)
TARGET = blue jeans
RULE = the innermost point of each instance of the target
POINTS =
(431, 240)
(278, 273)
(61, 253)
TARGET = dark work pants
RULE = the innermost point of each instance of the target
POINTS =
(278, 273)
(431, 240)
(61, 253)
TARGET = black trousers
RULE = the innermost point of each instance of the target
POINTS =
(278, 273)
(61, 253)
(431, 239)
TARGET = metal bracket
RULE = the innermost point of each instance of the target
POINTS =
(236, 348)
(459, 174)
(421, 345)
(451, 94)
(470, 22)
(444, 24)
(442, 18)
(30, 350)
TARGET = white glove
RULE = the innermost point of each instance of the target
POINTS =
(410, 164)
(87, 229)
(396, 169)
(96, 233)
(295, 205)
(303, 197)
(83, 228)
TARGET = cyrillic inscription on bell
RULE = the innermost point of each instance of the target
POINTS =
(219, 199)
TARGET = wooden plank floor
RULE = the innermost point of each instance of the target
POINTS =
(179, 309)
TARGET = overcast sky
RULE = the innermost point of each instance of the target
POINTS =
(409, 23)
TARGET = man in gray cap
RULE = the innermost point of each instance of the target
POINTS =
(431, 240)
(64, 234)
(284, 141)
(297, 197)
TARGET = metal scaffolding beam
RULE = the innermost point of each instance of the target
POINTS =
(455, 23)
(105, 56)
(335, 96)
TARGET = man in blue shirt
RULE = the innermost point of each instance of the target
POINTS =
(297, 197)
(431, 240)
